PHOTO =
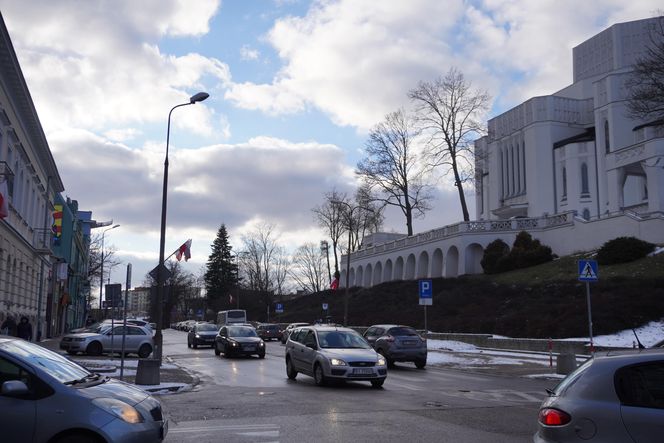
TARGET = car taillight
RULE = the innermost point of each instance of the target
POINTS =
(553, 417)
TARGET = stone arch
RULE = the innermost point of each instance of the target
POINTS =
(387, 272)
(377, 274)
(437, 263)
(398, 269)
(423, 265)
(474, 254)
(359, 276)
(409, 273)
(368, 276)
(452, 262)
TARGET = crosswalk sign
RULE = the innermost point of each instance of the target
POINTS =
(588, 270)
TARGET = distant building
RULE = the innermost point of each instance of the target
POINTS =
(570, 168)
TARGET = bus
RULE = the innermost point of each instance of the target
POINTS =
(231, 317)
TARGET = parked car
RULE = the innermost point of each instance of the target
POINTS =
(44, 397)
(202, 334)
(105, 339)
(286, 332)
(398, 343)
(238, 340)
(268, 331)
(333, 353)
(612, 398)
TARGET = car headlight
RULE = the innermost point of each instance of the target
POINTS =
(337, 362)
(77, 339)
(198, 336)
(234, 344)
(261, 344)
(381, 361)
(119, 408)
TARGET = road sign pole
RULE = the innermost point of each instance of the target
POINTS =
(590, 320)
(426, 330)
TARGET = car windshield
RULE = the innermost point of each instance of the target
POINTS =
(206, 327)
(341, 340)
(240, 331)
(401, 332)
(54, 364)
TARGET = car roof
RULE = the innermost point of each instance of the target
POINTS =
(320, 328)
(390, 326)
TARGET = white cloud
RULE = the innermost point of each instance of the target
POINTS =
(248, 53)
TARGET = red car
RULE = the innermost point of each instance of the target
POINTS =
(268, 331)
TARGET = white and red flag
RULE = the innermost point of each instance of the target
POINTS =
(184, 250)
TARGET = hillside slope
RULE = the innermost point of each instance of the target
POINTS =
(538, 302)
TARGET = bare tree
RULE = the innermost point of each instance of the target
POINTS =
(392, 168)
(94, 259)
(308, 268)
(260, 258)
(329, 217)
(646, 84)
(369, 217)
(451, 115)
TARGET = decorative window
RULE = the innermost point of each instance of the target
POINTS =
(607, 143)
(584, 179)
(564, 183)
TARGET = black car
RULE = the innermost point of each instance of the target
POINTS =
(398, 343)
(238, 340)
(201, 334)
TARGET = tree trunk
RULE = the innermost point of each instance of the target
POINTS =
(462, 197)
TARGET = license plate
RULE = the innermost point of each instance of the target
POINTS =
(363, 371)
(249, 348)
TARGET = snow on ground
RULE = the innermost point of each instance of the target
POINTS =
(649, 335)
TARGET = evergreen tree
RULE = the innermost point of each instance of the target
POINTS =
(221, 271)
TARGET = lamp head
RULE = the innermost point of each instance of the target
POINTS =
(198, 97)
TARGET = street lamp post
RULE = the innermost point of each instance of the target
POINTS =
(158, 338)
(325, 247)
(101, 275)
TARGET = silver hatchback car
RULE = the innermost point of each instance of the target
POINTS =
(44, 397)
(105, 339)
(333, 353)
(616, 397)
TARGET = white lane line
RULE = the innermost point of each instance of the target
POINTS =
(210, 428)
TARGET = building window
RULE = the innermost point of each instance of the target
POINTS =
(586, 214)
(607, 144)
(564, 183)
(584, 180)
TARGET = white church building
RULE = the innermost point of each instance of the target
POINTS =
(571, 168)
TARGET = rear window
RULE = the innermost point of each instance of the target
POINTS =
(235, 314)
(400, 332)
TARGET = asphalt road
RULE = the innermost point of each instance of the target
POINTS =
(252, 400)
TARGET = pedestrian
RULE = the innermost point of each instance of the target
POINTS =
(8, 326)
(24, 329)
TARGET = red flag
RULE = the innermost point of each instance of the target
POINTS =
(335, 284)
(230, 298)
(4, 198)
(185, 250)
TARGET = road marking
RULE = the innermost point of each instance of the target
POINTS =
(179, 429)
(500, 395)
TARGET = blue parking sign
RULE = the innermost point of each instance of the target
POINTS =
(279, 308)
(426, 292)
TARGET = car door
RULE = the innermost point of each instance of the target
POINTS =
(296, 348)
(18, 417)
(641, 392)
(309, 350)
(221, 338)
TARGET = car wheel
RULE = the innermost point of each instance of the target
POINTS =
(261, 355)
(188, 344)
(290, 370)
(420, 364)
(78, 438)
(227, 352)
(216, 350)
(319, 377)
(195, 345)
(389, 361)
(94, 348)
(377, 383)
(145, 350)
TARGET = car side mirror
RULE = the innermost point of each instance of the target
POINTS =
(13, 388)
(312, 346)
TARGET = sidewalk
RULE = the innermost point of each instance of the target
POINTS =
(172, 377)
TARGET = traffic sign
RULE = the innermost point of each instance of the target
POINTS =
(426, 292)
(588, 270)
(324, 306)
(279, 308)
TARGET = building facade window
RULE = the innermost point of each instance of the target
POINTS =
(584, 180)
(564, 183)
(586, 214)
(607, 143)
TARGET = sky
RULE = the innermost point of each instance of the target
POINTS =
(295, 87)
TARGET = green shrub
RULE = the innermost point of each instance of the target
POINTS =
(493, 255)
(622, 250)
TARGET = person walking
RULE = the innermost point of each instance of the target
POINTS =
(24, 329)
(8, 326)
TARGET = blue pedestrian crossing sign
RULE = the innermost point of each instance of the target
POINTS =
(588, 270)
(426, 292)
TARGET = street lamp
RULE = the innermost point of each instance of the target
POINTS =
(158, 339)
(101, 275)
(325, 247)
